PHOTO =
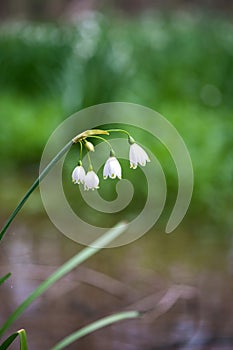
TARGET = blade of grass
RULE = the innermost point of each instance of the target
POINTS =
(23, 340)
(103, 322)
(34, 186)
(5, 345)
(86, 253)
(4, 278)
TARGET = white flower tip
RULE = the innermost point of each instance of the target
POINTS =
(112, 168)
(137, 155)
(94, 188)
(91, 180)
(78, 175)
(133, 166)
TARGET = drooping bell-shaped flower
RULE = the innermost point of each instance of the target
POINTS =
(78, 174)
(91, 181)
(112, 167)
(137, 155)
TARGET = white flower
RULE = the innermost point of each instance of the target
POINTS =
(112, 168)
(91, 181)
(78, 175)
(137, 155)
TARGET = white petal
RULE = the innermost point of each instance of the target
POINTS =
(137, 155)
(106, 169)
(112, 168)
(133, 156)
(91, 181)
(78, 174)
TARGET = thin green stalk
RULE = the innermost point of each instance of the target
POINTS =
(34, 186)
(119, 130)
(101, 138)
(103, 322)
(89, 160)
(81, 150)
(87, 252)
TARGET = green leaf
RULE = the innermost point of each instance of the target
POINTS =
(4, 278)
(103, 322)
(86, 253)
(8, 341)
(22, 337)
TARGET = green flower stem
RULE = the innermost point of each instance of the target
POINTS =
(119, 130)
(103, 322)
(34, 186)
(101, 138)
(81, 151)
(86, 253)
(90, 163)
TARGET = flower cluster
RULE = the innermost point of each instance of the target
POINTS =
(112, 167)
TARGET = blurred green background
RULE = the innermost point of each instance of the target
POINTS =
(175, 57)
(176, 62)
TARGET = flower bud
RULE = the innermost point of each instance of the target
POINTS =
(89, 146)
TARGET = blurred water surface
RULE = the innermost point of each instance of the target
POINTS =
(185, 279)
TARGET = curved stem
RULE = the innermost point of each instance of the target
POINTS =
(78, 138)
(103, 322)
(34, 186)
(101, 138)
(119, 130)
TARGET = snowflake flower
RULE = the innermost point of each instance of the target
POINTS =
(78, 175)
(91, 181)
(112, 168)
(137, 155)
